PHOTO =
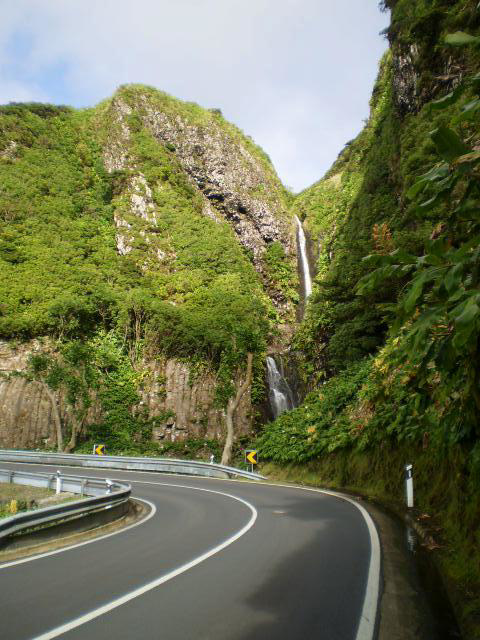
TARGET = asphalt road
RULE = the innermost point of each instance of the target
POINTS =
(217, 560)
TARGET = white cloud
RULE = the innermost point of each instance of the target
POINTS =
(18, 92)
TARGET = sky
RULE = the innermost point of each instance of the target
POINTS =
(295, 75)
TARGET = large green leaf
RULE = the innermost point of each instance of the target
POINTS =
(449, 99)
(414, 292)
(469, 111)
(465, 325)
(403, 257)
(438, 172)
(449, 145)
(453, 277)
(460, 39)
(475, 80)
(468, 316)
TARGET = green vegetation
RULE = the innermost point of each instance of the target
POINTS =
(390, 341)
(183, 287)
(16, 498)
(393, 325)
(281, 272)
(210, 121)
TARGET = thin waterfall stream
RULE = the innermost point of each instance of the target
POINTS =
(302, 245)
(279, 391)
(280, 394)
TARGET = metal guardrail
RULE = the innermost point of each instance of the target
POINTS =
(163, 465)
(104, 495)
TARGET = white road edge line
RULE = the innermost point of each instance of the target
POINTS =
(153, 510)
(368, 617)
(77, 622)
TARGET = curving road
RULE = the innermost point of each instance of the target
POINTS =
(216, 560)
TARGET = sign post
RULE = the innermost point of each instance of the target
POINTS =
(99, 450)
(251, 458)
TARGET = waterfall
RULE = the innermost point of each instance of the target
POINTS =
(302, 243)
(279, 392)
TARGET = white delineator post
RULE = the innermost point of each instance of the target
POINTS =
(409, 485)
(58, 487)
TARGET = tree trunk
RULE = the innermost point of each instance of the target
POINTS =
(56, 416)
(76, 427)
(232, 405)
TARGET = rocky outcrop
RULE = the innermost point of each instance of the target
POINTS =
(234, 183)
(405, 78)
(26, 413)
(229, 176)
(181, 404)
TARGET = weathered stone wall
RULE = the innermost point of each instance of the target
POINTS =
(184, 406)
(191, 402)
(26, 418)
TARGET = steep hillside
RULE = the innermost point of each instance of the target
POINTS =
(141, 239)
(391, 341)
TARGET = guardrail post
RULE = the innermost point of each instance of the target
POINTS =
(10, 477)
(58, 487)
(82, 487)
(109, 485)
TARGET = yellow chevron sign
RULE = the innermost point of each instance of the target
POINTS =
(99, 450)
(251, 456)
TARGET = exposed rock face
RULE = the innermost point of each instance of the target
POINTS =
(141, 205)
(190, 403)
(115, 152)
(185, 407)
(234, 184)
(10, 151)
(410, 91)
(228, 175)
(405, 78)
(26, 417)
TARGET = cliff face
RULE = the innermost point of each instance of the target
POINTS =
(180, 405)
(149, 229)
(392, 366)
(233, 179)
(361, 205)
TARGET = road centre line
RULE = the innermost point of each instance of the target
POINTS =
(368, 617)
(77, 622)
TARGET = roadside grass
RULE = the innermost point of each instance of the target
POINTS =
(15, 498)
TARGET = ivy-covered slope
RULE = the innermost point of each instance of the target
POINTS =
(391, 342)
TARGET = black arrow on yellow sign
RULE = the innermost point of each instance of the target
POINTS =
(99, 450)
(251, 456)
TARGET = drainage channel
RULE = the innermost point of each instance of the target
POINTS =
(414, 604)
